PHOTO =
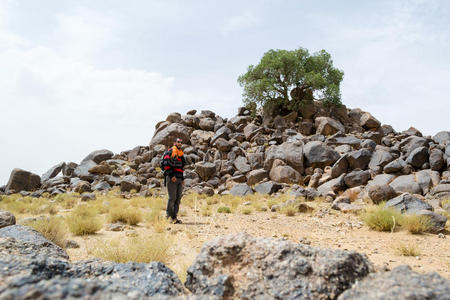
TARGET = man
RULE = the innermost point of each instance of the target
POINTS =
(173, 164)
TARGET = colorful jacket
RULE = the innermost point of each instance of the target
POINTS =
(172, 166)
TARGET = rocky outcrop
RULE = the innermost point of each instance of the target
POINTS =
(246, 267)
(401, 283)
(21, 180)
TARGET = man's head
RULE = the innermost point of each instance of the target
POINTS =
(178, 142)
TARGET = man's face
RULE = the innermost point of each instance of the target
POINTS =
(178, 143)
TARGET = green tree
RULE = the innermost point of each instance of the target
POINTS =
(288, 77)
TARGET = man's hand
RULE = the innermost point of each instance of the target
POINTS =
(174, 179)
(182, 182)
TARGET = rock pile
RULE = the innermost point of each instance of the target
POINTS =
(233, 266)
(326, 148)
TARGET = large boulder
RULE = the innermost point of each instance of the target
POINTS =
(168, 135)
(207, 124)
(205, 170)
(394, 166)
(251, 130)
(412, 142)
(436, 159)
(53, 171)
(242, 266)
(268, 188)
(359, 159)
(379, 159)
(241, 189)
(406, 184)
(21, 180)
(380, 193)
(6, 219)
(319, 155)
(356, 178)
(328, 126)
(129, 183)
(401, 283)
(284, 174)
(289, 152)
(340, 167)
(98, 156)
(22, 240)
(436, 221)
(442, 137)
(407, 203)
(255, 176)
(418, 157)
(368, 121)
(333, 185)
(241, 164)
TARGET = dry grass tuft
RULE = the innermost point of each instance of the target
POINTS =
(406, 249)
(246, 211)
(136, 249)
(206, 211)
(380, 218)
(224, 210)
(83, 221)
(131, 216)
(288, 210)
(415, 224)
(157, 221)
(272, 202)
(52, 228)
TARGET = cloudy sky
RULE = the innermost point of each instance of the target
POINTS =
(77, 76)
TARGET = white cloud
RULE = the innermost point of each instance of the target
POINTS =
(237, 23)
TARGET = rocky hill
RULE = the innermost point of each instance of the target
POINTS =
(343, 156)
(317, 151)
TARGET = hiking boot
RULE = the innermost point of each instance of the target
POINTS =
(177, 221)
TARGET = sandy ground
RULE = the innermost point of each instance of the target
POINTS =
(321, 228)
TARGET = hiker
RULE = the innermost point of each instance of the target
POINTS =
(173, 163)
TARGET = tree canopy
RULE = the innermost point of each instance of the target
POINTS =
(289, 77)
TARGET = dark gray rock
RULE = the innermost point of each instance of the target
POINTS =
(289, 152)
(268, 188)
(284, 174)
(380, 193)
(241, 189)
(28, 241)
(328, 126)
(407, 203)
(222, 132)
(442, 137)
(412, 142)
(222, 145)
(379, 159)
(394, 166)
(436, 159)
(129, 183)
(418, 157)
(94, 279)
(437, 221)
(319, 155)
(53, 171)
(242, 266)
(406, 184)
(6, 219)
(340, 167)
(402, 284)
(334, 185)
(98, 156)
(368, 121)
(241, 164)
(369, 145)
(207, 124)
(205, 170)
(356, 178)
(82, 170)
(168, 135)
(82, 187)
(21, 180)
(101, 186)
(359, 159)
(255, 176)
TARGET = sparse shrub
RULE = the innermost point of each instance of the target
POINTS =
(131, 216)
(381, 218)
(157, 221)
(407, 249)
(212, 200)
(289, 210)
(206, 211)
(52, 228)
(141, 202)
(224, 210)
(415, 223)
(83, 221)
(136, 249)
(272, 202)
(246, 211)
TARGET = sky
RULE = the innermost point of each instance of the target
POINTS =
(78, 76)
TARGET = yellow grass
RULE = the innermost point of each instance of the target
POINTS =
(52, 228)
(137, 249)
(407, 249)
(246, 211)
(415, 224)
(83, 221)
(380, 218)
(130, 215)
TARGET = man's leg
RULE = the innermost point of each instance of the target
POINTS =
(172, 192)
(178, 196)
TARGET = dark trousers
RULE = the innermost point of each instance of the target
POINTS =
(175, 190)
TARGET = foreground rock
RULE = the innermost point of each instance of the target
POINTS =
(402, 284)
(6, 219)
(259, 268)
